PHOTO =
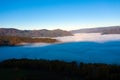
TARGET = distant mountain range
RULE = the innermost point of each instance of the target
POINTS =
(33, 33)
(57, 32)
(102, 30)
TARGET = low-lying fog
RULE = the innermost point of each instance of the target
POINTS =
(94, 37)
(81, 37)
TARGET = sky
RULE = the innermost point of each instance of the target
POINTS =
(59, 14)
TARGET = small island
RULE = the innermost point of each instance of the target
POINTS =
(15, 40)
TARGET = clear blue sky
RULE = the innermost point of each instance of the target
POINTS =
(63, 14)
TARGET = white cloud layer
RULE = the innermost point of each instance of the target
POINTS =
(94, 37)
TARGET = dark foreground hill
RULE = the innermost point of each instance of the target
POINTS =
(25, 69)
(33, 33)
(102, 30)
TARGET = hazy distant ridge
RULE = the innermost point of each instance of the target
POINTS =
(102, 30)
(33, 33)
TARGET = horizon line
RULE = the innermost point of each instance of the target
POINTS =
(58, 28)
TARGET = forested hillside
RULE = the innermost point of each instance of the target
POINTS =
(26, 69)
(12, 40)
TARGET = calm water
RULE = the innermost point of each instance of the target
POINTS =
(89, 52)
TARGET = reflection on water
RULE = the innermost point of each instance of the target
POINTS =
(89, 52)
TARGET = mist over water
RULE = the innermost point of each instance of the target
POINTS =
(94, 37)
(35, 44)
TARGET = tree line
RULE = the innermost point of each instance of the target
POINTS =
(28, 69)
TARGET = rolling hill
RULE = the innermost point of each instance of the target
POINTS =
(102, 30)
(33, 33)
